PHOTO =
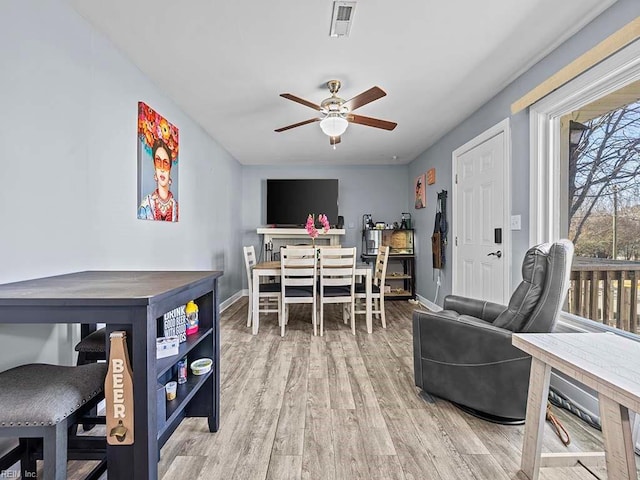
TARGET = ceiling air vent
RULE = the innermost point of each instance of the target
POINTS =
(342, 18)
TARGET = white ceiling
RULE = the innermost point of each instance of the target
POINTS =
(225, 64)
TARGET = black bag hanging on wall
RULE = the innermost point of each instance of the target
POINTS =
(439, 237)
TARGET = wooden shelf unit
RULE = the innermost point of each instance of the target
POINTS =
(403, 285)
(401, 264)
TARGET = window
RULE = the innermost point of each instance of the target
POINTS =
(602, 168)
(569, 199)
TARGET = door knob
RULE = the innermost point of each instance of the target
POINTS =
(497, 254)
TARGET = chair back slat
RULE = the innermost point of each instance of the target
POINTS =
(298, 266)
(305, 279)
(331, 261)
(337, 271)
(294, 262)
(337, 267)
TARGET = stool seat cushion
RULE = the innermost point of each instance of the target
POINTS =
(269, 287)
(362, 288)
(299, 291)
(92, 343)
(39, 394)
(336, 291)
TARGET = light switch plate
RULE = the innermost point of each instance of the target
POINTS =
(516, 222)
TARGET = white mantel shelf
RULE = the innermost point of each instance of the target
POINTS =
(283, 234)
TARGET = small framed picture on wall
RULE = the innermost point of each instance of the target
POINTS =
(431, 176)
(421, 197)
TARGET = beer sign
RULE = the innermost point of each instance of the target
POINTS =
(118, 392)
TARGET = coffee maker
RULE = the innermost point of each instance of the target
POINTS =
(405, 224)
(367, 221)
(371, 237)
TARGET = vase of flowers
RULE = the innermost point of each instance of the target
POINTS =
(311, 229)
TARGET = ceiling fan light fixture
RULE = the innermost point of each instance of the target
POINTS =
(333, 125)
(336, 113)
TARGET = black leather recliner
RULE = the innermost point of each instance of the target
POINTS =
(464, 353)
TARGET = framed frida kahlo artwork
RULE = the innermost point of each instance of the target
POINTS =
(421, 196)
(157, 166)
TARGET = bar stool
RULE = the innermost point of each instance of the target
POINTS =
(43, 401)
(92, 347)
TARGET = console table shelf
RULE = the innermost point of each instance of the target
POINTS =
(184, 394)
(271, 233)
(274, 238)
(166, 363)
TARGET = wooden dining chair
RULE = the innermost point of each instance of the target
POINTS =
(377, 287)
(337, 282)
(298, 267)
(269, 294)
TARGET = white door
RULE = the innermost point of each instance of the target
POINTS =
(481, 247)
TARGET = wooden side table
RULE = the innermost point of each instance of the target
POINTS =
(608, 363)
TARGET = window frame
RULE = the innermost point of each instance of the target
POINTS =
(546, 204)
(608, 76)
(546, 208)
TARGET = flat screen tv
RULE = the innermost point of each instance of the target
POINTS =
(290, 201)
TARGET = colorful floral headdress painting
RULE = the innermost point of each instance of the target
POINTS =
(157, 166)
(152, 125)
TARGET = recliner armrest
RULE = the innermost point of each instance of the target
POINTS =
(481, 309)
(464, 340)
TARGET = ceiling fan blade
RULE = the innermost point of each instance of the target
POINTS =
(307, 103)
(334, 140)
(288, 127)
(374, 93)
(372, 122)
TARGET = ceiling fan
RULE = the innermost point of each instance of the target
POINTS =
(336, 112)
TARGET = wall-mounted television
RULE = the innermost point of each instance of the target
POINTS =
(290, 201)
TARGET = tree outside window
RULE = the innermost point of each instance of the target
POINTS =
(604, 212)
(604, 186)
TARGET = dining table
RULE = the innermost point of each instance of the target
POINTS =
(273, 269)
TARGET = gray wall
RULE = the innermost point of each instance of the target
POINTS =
(68, 122)
(363, 189)
(494, 111)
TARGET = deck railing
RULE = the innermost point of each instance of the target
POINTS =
(605, 291)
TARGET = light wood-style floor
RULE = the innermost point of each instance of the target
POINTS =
(344, 407)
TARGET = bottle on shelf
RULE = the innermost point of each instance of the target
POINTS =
(182, 371)
(192, 317)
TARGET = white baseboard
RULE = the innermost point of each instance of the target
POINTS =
(583, 399)
(232, 299)
(428, 304)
